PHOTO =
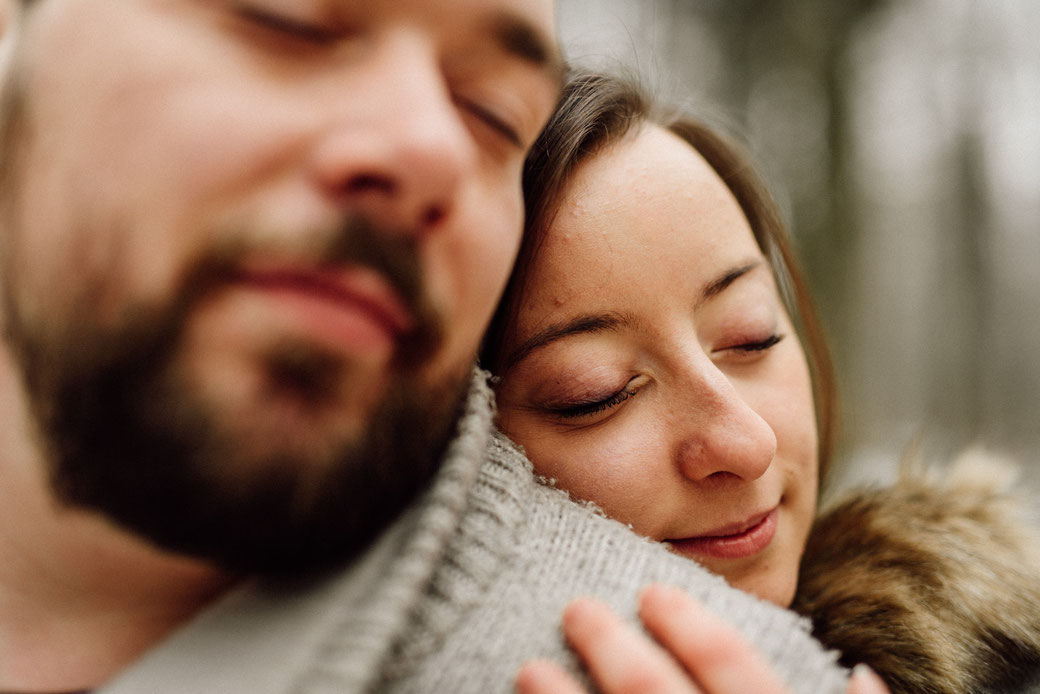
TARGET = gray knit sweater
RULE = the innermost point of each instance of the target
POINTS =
(461, 590)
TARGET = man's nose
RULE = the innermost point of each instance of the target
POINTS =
(395, 146)
(722, 436)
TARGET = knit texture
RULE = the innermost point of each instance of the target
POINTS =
(456, 595)
(530, 551)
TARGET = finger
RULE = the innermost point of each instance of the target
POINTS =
(866, 681)
(620, 658)
(717, 656)
(544, 677)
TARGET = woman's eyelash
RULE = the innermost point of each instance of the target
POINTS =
(760, 345)
(587, 408)
(584, 409)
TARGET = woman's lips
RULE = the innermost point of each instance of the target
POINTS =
(732, 542)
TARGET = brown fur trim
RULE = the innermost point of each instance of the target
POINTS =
(933, 582)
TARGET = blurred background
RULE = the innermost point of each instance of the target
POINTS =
(902, 140)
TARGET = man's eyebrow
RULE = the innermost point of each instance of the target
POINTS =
(520, 38)
(591, 323)
(719, 284)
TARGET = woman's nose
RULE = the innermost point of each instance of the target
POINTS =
(722, 435)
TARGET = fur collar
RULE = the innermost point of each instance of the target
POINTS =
(933, 582)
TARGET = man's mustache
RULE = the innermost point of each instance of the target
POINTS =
(357, 241)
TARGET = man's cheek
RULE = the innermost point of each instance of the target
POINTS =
(489, 264)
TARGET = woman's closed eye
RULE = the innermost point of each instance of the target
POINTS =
(588, 408)
(761, 345)
(592, 408)
(752, 348)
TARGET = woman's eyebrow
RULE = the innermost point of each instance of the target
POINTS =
(594, 323)
(589, 323)
(720, 283)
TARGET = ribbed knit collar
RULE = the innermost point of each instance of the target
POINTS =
(441, 563)
(339, 633)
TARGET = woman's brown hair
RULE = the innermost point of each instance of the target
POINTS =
(598, 110)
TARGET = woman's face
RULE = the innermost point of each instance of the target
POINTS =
(653, 370)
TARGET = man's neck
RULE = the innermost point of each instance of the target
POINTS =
(79, 598)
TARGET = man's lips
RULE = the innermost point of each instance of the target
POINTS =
(732, 541)
(355, 305)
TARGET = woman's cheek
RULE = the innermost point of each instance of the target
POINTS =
(620, 471)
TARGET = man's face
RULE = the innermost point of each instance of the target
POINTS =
(248, 248)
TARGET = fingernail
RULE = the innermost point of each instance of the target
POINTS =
(665, 594)
(584, 611)
(581, 607)
(661, 591)
(865, 674)
(530, 676)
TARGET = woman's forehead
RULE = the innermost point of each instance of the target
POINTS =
(648, 194)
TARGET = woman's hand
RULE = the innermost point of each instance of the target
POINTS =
(696, 653)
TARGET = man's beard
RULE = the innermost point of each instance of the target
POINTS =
(127, 434)
(129, 438)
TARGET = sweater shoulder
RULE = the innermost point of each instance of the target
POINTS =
(541, 550)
